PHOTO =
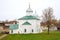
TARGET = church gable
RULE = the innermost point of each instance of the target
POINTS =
(26, 23)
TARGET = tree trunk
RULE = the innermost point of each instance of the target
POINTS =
(48, 29)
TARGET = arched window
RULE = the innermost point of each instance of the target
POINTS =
(32, 30)
(11, 31)
(24, 30)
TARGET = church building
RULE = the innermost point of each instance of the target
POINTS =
(27, 24)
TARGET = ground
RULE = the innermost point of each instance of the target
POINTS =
(54, 35)
(1, 34)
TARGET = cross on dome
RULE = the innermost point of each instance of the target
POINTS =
(29, 5)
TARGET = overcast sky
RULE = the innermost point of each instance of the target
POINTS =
(14, 9)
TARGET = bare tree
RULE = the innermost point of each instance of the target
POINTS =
(48, 16)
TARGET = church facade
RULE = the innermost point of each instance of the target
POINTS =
(27, 24)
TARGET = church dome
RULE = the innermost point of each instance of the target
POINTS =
(29, 9)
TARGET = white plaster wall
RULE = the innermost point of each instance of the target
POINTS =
(38, 27)
(28, 29)
(14, 31)
(53, 28)
(35, 25)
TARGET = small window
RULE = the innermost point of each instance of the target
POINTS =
(11, 31)
(18, 31)
(32, 30)
(24, 30)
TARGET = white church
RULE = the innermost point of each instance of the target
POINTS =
(27, 24)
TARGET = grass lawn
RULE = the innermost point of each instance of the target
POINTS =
(55, 35)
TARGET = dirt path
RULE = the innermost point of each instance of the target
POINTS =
(3, 36)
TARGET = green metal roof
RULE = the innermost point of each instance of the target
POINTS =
(13, 26)
(26, 23)
(28, 18)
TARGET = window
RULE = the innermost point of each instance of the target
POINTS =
(24, 30)
(32, 30)
(11, 31)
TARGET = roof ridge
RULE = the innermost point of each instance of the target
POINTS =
(28, 18)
